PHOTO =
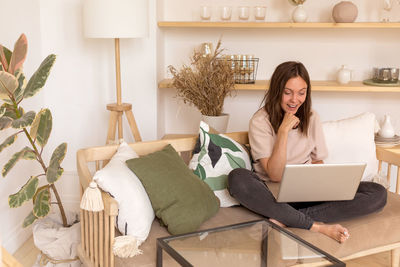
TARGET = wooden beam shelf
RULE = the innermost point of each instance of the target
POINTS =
(321, 86)
(278, 25)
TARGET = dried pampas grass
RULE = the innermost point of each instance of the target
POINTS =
(206, 82)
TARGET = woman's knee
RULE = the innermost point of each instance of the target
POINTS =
(378, 195)
(238, 179)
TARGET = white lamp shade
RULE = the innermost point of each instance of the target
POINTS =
(115, 18)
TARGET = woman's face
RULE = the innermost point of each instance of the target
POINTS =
(294, 94)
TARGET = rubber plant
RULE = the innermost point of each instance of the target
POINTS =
(35, 126)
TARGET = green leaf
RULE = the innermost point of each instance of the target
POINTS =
(29, 219)
(10, 111)
(8, 84)
(5, 122)
(200, 172)
(25, 121)
(57, 176)
(19, 54)
(5, 57)
(217, 183)
(41, 127)
(55, 162)
(9, 141)
(38, 79)
(25, 153)
(235, 162)
(223, 142)
(41, 206)
(25, 194)
(19, 92)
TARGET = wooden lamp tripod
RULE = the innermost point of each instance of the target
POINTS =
(119, 108)
(117, 19)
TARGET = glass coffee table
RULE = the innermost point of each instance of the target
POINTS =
(255, 243)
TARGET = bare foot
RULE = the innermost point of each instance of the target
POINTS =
(335, 231)
(277, 222)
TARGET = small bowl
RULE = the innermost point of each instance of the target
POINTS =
(385, 75)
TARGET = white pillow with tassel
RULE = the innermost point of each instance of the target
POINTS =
(135, 214)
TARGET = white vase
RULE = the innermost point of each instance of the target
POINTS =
(387, 130)
(219, 123)
(344, 75)
(299, 14)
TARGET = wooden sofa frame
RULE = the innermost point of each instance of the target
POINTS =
(98, 228)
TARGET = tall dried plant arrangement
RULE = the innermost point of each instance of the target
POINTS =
(206, 82)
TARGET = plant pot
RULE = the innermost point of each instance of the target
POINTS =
(57, 244)
(218, 123)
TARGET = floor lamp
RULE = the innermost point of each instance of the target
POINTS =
(117, 19)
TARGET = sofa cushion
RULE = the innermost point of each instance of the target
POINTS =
(352, 140)
(225, 216)
(135, 212)
(370, 231)
(214, 157)
(179, 198)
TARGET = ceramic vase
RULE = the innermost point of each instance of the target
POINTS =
(219, 123)
(344, 12)
(299, 14)
(344, 75)
(387, 130)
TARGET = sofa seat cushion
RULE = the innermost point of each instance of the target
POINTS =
(370, 231)
(225, 216)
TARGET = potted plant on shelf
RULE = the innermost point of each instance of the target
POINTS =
(36, 127)
(205, 84)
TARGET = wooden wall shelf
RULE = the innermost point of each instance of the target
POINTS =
(278, 25)
(321, 86)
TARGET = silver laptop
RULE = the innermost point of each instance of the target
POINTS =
(318, 182)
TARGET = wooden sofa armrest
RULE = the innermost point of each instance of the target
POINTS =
(98, 232)
(97, 228)
(390, 155)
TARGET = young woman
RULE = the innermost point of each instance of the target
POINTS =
(287, 131)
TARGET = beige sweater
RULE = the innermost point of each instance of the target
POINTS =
(301, 149)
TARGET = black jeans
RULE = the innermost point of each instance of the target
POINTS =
(253, 193)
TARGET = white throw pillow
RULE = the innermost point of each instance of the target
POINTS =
(352, 140)
(135, 211)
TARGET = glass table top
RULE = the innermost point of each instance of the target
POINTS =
(256, 243)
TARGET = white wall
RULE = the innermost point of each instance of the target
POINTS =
(323, 51)
(11, 232)
(82, 81)
(81, 84)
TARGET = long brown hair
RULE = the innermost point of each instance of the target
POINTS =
(272, 98)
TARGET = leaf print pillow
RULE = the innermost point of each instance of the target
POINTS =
(214, 157)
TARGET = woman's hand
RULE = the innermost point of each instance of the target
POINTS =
(290, 121)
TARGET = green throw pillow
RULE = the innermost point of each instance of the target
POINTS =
(214, 157)
(179, 198)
